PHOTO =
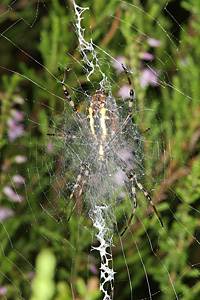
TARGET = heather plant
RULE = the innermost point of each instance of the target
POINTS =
(159, 44)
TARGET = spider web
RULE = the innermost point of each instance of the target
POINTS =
(44, 259)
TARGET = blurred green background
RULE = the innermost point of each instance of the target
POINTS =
(41, 259)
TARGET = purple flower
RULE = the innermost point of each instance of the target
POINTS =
(154, 42)
(8, 191)
(49, 147)
(124, 92)
(19, 100)
(119, 60)
(3, 290)
(17, 115)
(18, 179)
(146, 56)
(5, 213)
(94, 269)
(20, 159)
(148, 77)
(120, 176)
(15, 129)
(125, 154)
(4, 167)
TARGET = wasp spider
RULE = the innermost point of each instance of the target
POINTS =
(102, 131)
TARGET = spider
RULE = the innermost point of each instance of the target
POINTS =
(102, 128)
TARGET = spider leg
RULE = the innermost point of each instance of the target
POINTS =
(133, 179)
(76, 185)
(84, 172)
(85, 178)
(134, 209)
(148, 198)
(79, 116)
(132, 97)
(137, 136)
(67, 95)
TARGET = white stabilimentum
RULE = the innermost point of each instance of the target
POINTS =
(100, 217)
(87, 50)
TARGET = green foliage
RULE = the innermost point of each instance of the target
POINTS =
(42, 259)
(43, 286)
